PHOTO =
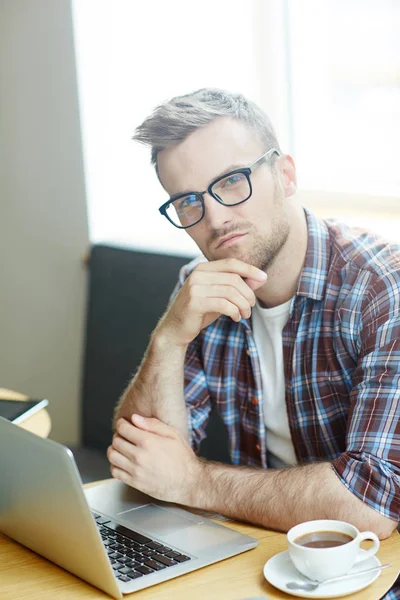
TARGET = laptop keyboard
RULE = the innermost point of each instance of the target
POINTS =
(133, 555)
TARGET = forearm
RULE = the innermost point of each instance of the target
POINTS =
(157, 388)
(279, 499)
(213, 288)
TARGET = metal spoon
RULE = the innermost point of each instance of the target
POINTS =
(312, 585)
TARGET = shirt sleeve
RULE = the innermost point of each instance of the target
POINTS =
(370, 466)
(197, 398)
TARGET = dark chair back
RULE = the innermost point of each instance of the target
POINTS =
(128, 292)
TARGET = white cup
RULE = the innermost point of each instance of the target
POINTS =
(323, 563)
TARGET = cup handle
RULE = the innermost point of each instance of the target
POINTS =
(368, 535)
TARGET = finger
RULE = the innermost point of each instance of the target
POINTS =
(119, 460)
(202, 281)
(124, 447)
(129, 432)
(233, 265)
(254, 284)
(220, 306)
(233, 295)
(120, 474)
(153, 425)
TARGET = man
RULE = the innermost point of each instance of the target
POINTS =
(290, 328)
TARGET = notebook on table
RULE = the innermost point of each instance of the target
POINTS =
(18, 411)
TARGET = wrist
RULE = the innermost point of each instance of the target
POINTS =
(194, 483)
(164, 340)
(199, 488)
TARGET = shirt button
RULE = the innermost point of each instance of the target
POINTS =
(258, 447)
(254, 401)
(248, 352)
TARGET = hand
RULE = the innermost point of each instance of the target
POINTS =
(155, 459)
(221, 287)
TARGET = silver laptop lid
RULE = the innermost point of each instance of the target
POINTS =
(43, 506)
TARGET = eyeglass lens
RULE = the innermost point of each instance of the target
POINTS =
(230, 190)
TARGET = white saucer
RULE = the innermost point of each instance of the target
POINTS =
(280, 569)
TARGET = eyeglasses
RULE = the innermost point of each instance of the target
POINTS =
(231, 189)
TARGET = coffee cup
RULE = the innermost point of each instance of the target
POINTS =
(325, 548)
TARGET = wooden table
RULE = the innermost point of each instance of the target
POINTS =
(38, 423)
(25, 575)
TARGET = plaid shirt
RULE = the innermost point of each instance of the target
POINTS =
(341, 350)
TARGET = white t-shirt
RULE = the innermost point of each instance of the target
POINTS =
(268, 324)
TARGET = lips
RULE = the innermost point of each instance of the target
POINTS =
(231, 237)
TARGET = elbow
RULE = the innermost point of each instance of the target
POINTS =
(121, 411)
(365, 515)
(384, 527)
(378, 524)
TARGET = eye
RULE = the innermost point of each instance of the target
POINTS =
(232, 180)
(187, 202)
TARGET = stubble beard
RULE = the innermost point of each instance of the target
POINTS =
(265, 251)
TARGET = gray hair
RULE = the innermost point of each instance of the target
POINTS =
(172, 121)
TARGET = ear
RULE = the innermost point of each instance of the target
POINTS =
(289, 176)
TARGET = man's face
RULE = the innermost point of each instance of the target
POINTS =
(254, 231)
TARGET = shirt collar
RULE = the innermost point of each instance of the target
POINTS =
(314, 274)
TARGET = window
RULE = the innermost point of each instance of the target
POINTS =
(131, 56)
(326, 71)
(344, 58)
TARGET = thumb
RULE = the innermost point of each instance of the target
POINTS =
(152, 425)
(254, 284)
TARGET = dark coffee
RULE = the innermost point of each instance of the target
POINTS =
(323, 539)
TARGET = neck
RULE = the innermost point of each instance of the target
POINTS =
(284, 272)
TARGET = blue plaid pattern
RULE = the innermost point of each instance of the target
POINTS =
(341, 349)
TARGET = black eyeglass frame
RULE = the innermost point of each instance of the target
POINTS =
(200, 195)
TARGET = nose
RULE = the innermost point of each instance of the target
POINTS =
(216, 214)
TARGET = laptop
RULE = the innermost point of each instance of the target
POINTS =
(110, 535)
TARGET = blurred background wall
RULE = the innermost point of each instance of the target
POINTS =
(43, 217)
